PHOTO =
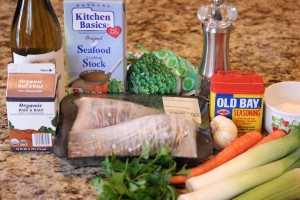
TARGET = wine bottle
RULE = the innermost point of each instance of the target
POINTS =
(36, 37)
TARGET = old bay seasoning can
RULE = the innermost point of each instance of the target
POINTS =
(238, 95)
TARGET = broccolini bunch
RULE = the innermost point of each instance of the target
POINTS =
(186, 72)
(161, 72)
(149, 75)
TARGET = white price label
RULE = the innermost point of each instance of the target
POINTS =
(182, 106)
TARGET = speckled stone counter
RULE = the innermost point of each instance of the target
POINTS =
(265, 39)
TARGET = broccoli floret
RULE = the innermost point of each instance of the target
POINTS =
(149, 75)
(115, 86)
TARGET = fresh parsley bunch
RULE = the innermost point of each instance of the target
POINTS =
(142, 178)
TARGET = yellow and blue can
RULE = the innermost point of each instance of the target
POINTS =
(238, 95)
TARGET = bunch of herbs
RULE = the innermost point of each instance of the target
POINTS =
(145, 177)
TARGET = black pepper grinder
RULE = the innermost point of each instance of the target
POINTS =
(216, 18)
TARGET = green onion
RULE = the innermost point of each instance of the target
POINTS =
(284, 187)
(188, 84)
(243, 181)
(143, 48)
(181, 71)
(172, 62)
(161, 54)
(258, 156)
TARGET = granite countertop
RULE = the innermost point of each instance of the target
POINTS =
(265, 39)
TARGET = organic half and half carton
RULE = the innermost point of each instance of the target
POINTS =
(32, 106)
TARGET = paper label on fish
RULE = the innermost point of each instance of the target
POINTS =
(182, 106)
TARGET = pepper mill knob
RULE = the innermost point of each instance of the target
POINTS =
(216, 18)
(217, 2)
(217, 14)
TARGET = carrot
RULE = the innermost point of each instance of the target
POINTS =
(105, 87)
(91, 88)
(235, 148)
(272, 136)
(99, 88)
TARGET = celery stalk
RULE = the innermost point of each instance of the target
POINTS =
(258, 156)
(243, 181)
(285, 187)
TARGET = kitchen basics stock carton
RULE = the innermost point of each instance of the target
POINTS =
(95, 45)
(32, 106)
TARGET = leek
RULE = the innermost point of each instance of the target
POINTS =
(295, 165)
(238, 183)
(285, 187)
(258, 156)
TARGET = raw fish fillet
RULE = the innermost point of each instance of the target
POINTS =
(128, 138)
(103, 112)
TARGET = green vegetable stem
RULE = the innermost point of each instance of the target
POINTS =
(283, 187)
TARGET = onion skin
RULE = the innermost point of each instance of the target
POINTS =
(223, 130)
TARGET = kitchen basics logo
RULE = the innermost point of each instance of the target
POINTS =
(86, 19)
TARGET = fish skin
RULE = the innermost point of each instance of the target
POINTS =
(128, 138)
(102, 112)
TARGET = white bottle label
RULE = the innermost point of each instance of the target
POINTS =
(57, 58)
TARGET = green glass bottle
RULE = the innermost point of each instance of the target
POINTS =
(36, 36)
